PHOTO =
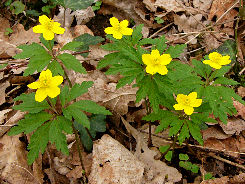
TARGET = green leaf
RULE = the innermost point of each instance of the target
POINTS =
(175, 51)
(221, 72)
(87, 40)
(65, 124)
(38, 142)
(225, 81)
(145, 41)
(109, 59)
(185, 165)
(72, 46)
(79, 89)
(208, 176)
(17, 7)
(137, 35)
(30, 123)
(34, 13)
(144, 88)
(183, 156)
(195, 132)
(49, 44)
(77, 114)
(29, 104)
(71, 62)
(169, 155)
(228, 48)
(3, 66)
(160, 44)
(8, 2)
(184, 133)
(175, 127)
(64, 95)
(56, 136)
(125, 80)
(194, 168)
(199, 66)
(39, 57)
(56, 68)
(90, 106)
(74, 4)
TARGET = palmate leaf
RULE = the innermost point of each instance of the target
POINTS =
(175, 127)
(137, 35)
(195, 131)
(71, 62)
(56, 136)
(74, 4)
(39, 57)
(38, 142)
(225, 81)
(184, 133)
(199, 67)
(175, 51)
(56, 68)
(72, 46)
(30, 123)
(29, 104)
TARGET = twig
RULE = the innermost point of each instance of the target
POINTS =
(81, 52)
(227, 161)
(153, 35)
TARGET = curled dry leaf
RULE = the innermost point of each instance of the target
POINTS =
(214, 132)
(234, 126)
(240, 109)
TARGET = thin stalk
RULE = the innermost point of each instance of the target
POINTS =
(84, 178)
(51, 105)
(148, 111)
(171, 146)
(64, 21)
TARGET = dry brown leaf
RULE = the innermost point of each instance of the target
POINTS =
(155, 170)
(223, 180)
(3, 115)
(13, 163)
(240, 109)
(234, 126)
(203, 5)
(37, 169)
(114, 164)
(238, 179)
(214, 132)
(230, 146)
(4, 24)
(241, 91)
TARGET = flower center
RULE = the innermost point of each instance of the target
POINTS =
(156, 61)
(49, 25)
(45, 83)
(216, 59)
(118, 27)
(186, 101)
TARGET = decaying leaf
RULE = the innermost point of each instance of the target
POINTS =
(240, 109)
(234, 126)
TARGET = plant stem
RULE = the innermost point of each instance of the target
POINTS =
(79, 146)
(171, 146)
(51, 105)
(148, 111)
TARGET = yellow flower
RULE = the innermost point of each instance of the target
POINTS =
(48, 27)
(156, 62)
(118, 29)
(217, 60)
(187, 103)
(46, 86)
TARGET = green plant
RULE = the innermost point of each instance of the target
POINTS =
(186, 164)
(53, 112)
(159, 20)
(8, 31)
(97, 5)
(199, 89)
(208, 176)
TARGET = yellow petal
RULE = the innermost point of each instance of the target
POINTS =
(155, 53)
(180, 98)
(56, 81)
(43, 19)
(214, 56)
(109, 30)
(114, 22)
(225, 60)
(188, 110)
(57, 29)
(39, 29)
(124, 24)
(126, 31)
(162, 70)
(178, 107)
(193, 95)
(34, 85)
(212, 64)
(146, 58)
(196, 103)
(48, 35)
(151, 69)
(165, 59)
(52, 92)
(41, 94)
(117, 35)
(45, 75)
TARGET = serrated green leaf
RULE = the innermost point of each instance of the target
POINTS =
(56, 136)
(74, 4)
(30, 123)
(72, 45)
(77, 114)
(65, 124)
(184, 133)
(79, 89)
(109, 59)
(137, 35)
(221, 72)
(87, 40)
(64, 94)
(18, 7)
(71, 62)
(160, 44)
(225, 81)
(125, 80)
(183, 156)
(145, 41)
(175, 51)
(185, 165)
(38, 142)
(29, 104)
(175, 127)
(143, 89)
(90, 106)
(56, 68)
(195, 132)
(199, 67)
(169, 155)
